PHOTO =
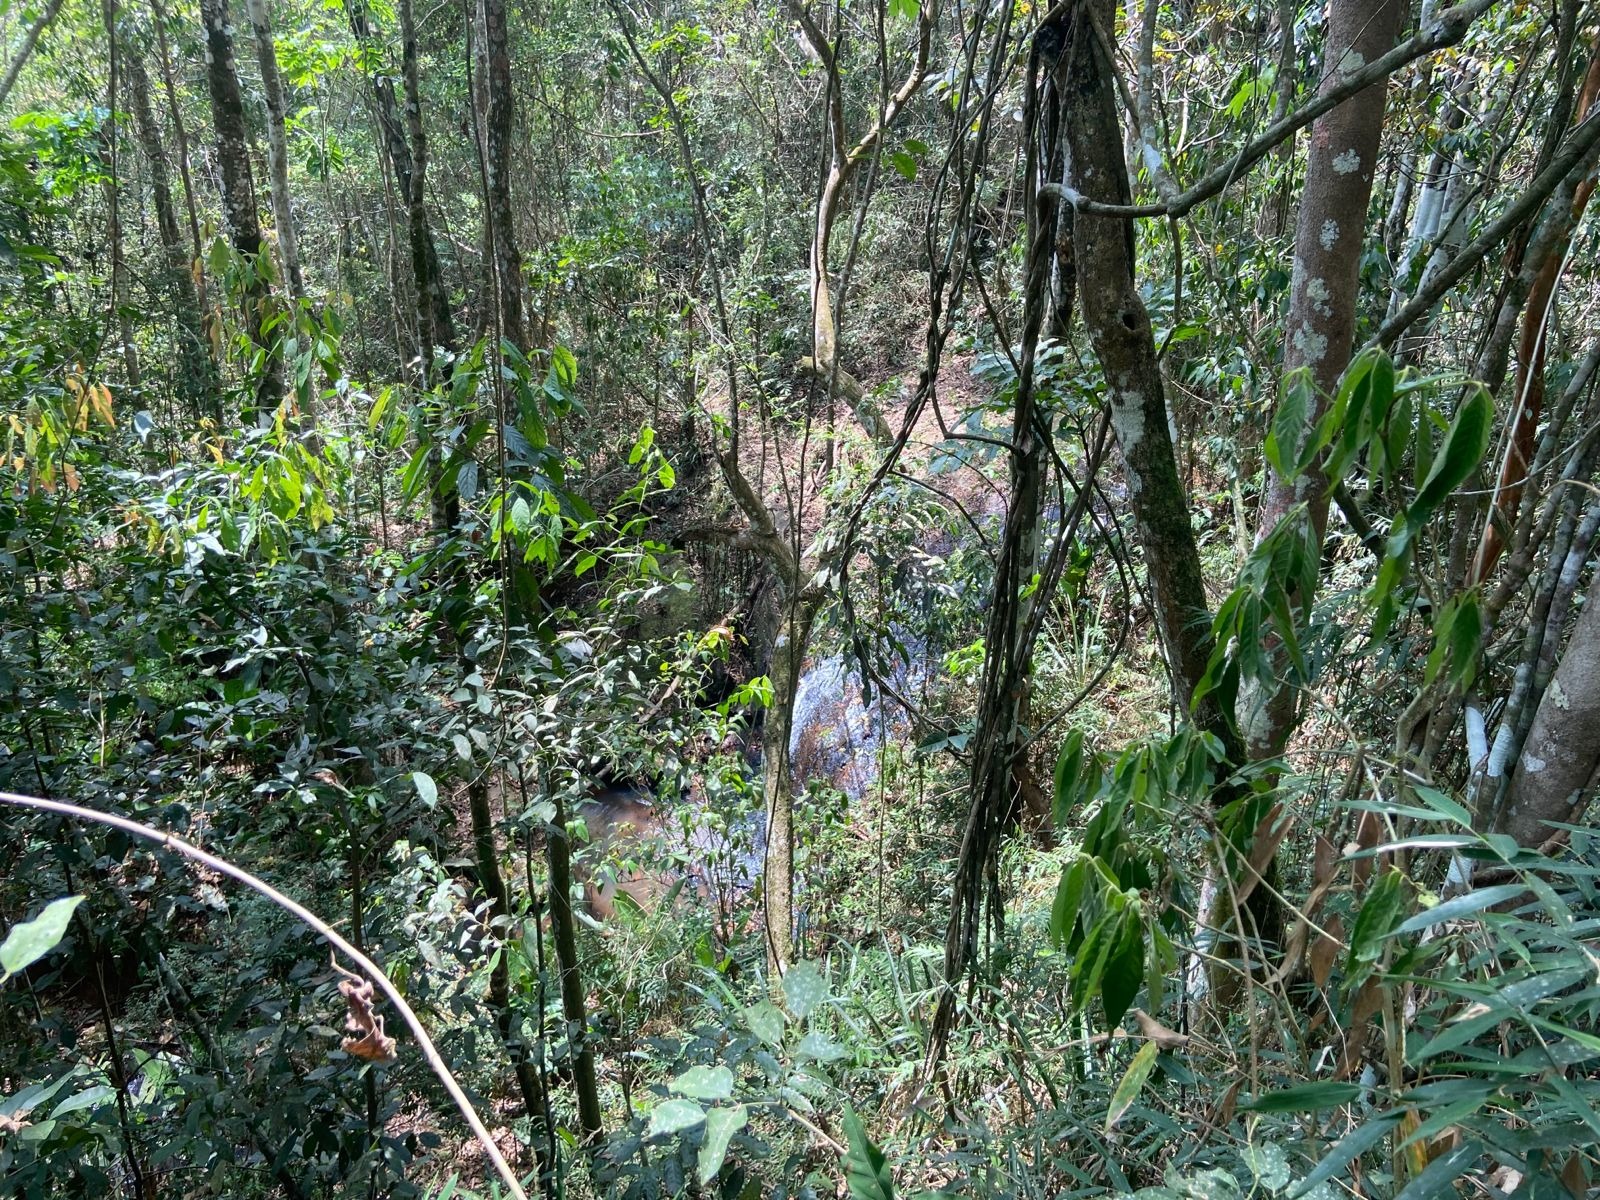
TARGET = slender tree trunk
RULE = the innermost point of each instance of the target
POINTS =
(113, 187)
(564, 925)
(777, 878)
(277, 147)
(239, 196)
(498, 112)
(197, 371)
(1532, 350)
(435, 323)
(1329, 237)
(1119, 329)
(487, 852)
(24, 51)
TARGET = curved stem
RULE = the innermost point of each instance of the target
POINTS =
(315, 923)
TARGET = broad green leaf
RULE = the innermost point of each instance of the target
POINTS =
(804, 989)
(1437, 1181)
(721, 1125)
(427, 790)
(1124, 970)
(30, 941)
(766, 1022)
(674, 1116)
(1379, 915)
(866, 1170)
(1464, 444)
(704, 1083)
(1351, 1146)
(88, 1098)
(1132, 1081)
(1069, 770)
(1268, 1163)
(1069, 899)
(815, 1046)
(1287, 435)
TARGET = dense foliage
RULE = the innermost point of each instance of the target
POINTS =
(867, 599)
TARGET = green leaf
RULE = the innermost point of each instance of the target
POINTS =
(804, 989)
(904, 9)
(1132, 1081)
(1068, 901)
(1349, 1147)
(1377, 919)
(820, 1049)
(1268, 1163)
(1124, 970)
(1437, 1180)
(1305, 1097)
(721, 1125)
(427, 790)
(463, 747)
(866, 1170)
(903, 163)
(1464, 445)
(30, 941)
(704, 1083)
(766, 1022)
(1290, 421)
(674, 1116)
(1462, 906)
(584, 564)
(1069, 769)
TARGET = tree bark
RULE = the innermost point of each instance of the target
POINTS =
(564, 925)
(487, 852)
(1555, 774)
(239, 195)
(498, 113)
(437, 324)
(1119, 330)
(777, 877)
(197, 372)
(277, 147)
(1329, 236)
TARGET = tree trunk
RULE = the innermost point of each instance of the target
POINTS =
(20, 58)
(1119, 329)
(277, 147)
(1329, 236)
(487, 852)
(239, 196)
(777, 876)
(564, 926)
(498, 112)
(435, 324)
(1555, 775)
(197, 372)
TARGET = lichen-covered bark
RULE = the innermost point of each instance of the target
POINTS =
(1555, 775)
(1341, 162)
(239, 188)
(1329, 236)
(1119, 329)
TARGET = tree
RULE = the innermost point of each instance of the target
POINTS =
(197, 372)
(277, 148)
(239, 201)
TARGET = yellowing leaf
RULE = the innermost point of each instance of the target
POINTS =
(100, 400)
